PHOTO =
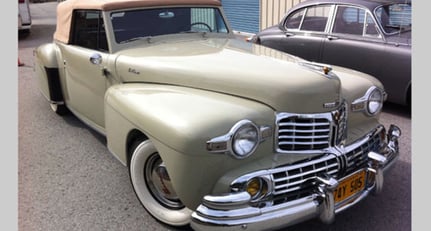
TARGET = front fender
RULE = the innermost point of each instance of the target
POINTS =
(180, 121)
(358, 122)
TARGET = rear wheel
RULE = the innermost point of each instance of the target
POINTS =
(153, 187)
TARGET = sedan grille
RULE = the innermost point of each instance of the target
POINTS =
(300, 134)
(298, 180)
(311, 133)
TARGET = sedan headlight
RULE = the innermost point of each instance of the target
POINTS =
(375, 101)
(241, 141)
(245, 139)
(371, 103)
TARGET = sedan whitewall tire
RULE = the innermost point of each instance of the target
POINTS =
(151, 183)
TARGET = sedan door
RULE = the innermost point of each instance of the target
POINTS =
(355, 41)
(83, 62)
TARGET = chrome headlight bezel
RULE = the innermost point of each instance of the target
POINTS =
(371, 103)
(245, 139)
(241, 141)
(375, 101)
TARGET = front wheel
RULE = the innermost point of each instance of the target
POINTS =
(153, 187)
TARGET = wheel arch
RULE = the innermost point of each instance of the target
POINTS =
(133, 136)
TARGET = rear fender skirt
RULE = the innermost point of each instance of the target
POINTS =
(54, 86)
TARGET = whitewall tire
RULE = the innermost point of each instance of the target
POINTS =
(151, 183)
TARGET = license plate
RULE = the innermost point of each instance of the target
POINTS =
(350, 186)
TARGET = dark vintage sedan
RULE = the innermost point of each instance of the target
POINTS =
(369, 36)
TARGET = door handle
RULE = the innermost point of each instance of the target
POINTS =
(288, 34)
(330, 37)
(96, 59)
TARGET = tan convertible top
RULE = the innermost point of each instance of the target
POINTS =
(66, 8)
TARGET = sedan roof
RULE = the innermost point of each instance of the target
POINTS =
(370, 4)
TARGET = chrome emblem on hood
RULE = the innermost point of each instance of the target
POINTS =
(134, 71)
(331, 104)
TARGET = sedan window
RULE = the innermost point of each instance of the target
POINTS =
(313, 18)
(395, 17)
(294, 20)
(316, 18)
(89, 30)
(354, 21)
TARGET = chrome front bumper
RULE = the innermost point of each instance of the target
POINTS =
(234, 212)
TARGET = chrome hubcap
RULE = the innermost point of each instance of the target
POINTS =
(159, 183)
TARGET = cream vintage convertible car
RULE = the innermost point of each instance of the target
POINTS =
(217, 133)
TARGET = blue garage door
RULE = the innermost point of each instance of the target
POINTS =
(243, 15)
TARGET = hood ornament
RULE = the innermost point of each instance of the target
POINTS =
(325, 69)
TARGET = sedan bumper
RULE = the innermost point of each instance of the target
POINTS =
(235, 211)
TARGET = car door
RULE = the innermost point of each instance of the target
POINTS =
(305, 31)
(355, 41)
(83, 60)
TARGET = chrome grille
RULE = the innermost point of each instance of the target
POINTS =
(297, 180)
(311, 133)
(303, 133)
(357, 158)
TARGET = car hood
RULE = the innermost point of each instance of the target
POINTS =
(232, 67)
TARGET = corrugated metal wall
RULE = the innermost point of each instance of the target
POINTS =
(272, 11)
(251, 16)
(243, 15)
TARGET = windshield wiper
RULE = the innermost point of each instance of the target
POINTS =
(189, 32)
(148, 38)
(204, 33)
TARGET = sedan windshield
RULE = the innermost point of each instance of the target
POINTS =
(139, 24)
(395, 17)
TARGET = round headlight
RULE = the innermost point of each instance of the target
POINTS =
(375, 101)
(245, 139)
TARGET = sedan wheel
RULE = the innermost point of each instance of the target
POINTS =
(153, 187)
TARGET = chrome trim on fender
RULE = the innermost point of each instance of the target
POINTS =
(360, 104)
(223, 143)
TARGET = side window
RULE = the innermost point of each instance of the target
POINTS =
(88, 30)
(316, 18)
(294, 20)
(354, 21)
(370, 26)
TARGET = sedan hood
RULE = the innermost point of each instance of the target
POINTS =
(232, 67)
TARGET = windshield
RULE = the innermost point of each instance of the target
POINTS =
(138, 24)
(395, 17)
